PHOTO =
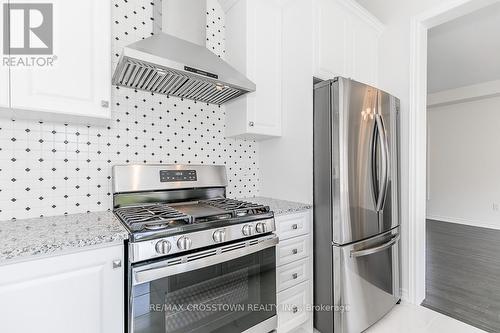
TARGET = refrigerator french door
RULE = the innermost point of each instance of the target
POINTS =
(356, 204)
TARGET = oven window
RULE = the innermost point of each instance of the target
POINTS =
(229, 297)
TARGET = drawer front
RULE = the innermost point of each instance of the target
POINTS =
(292, 274)
(293, 225)
(292, 307)
(292, 250)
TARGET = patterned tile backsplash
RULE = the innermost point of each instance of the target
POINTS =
(54, 168)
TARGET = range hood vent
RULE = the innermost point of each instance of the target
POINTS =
(169, 65)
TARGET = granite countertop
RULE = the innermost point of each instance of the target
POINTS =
(23, 239)
(280, 207)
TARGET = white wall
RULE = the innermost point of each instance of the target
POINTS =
(464, 162)
(286, 162)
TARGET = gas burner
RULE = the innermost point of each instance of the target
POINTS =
(152, 217)
(236, 207)
(156, 226)
(169, 209)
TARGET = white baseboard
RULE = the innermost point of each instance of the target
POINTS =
(458, 220)
(404, 295)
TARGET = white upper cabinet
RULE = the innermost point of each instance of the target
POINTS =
(254, 47)
(78, 85)
(365, 51)
(346, 41)
(4, 70)
(81, 292)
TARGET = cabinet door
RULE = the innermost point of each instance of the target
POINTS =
(346, 41)
(332, 43)
(4, 70)
(254, 47)
(78, 293)
(79, 82)
(292, 303)
(365, 52)
(265, 67)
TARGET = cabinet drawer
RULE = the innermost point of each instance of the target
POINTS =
(293, 225)
(292, 250)
(292, 274)
(292, 307)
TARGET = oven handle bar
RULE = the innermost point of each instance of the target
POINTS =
(153, 272)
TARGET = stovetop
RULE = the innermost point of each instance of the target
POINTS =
(165, 219)
(173, 209)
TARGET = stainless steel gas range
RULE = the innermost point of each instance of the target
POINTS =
(197, 261)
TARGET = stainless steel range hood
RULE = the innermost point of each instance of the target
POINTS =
(176, 62)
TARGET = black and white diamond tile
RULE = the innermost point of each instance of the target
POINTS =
(53, 168)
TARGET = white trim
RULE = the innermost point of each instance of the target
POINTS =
(364, 14)
(417, 135)
(459, 220)
(226, 5)
(464, 94)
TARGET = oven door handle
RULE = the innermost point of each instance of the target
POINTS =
(157, 271)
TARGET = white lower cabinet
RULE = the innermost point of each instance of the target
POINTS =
(291, 274)
(294, 271)
(293, 249)
(293, 312)
(78, 293)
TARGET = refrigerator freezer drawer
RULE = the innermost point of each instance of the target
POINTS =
(366, 281)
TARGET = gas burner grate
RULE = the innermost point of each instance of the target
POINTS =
(152, 217)
(236, 207)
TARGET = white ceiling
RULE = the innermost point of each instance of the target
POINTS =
(465, 51)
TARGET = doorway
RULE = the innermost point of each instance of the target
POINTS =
(418, 135)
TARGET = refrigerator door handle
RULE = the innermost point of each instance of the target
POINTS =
(373, 164)
(384, 161)
(373, 250)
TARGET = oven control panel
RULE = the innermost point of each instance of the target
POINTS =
(177, 176)
(159, 247)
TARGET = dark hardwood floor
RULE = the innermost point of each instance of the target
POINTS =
(463, 273)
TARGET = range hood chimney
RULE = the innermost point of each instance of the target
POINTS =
(176, 61)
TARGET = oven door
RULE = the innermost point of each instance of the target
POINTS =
(227, 289)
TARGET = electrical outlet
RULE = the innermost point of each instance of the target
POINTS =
(495, 207)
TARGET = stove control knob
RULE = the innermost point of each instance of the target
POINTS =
(163, 247)
(184, 243)
(247, 230)
(219, 236)
(261, 227)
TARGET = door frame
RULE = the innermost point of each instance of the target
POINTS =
(420, 24)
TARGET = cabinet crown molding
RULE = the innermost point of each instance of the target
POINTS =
(364, 14)
(228, 4)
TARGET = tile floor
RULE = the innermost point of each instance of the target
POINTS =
(410, 318)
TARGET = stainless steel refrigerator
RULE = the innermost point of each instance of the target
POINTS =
(356, 205)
